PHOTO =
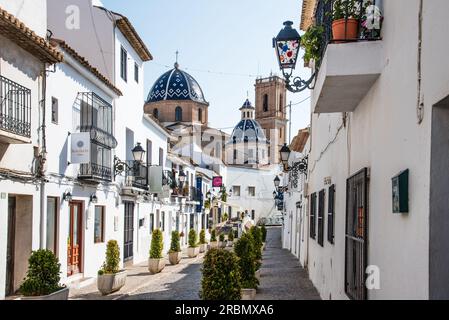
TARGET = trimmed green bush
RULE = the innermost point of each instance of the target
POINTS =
(244, 249)
(257, 238)
(193, 239)
(175, 245)
(231, 235)
(43, 274)
(203, 236)
(213, 235)
(112, 262)
(236, 234)
(222, 237)
(221, 276)
(264, 233)
(156, 245)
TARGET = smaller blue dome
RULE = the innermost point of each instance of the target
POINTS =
(247, 105)
(248, 130)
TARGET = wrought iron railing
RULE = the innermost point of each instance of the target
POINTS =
(94, 171)
(136, 175)
(361, 20)
(15, 108)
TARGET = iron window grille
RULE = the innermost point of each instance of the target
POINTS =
(331, 215)
(321, 201)
(96, 118)
(313, 216)
(356, 246)
(15, 108)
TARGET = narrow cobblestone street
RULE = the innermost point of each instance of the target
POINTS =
(282, 278)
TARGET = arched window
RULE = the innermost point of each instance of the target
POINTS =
(178, 114)
(265, 103)
(200, 115)
(281, 102)
(156, 113)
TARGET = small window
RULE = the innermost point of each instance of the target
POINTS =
(156, 113)
(124, 64)
(331, 215)
(54, 110)
(252, 191)
(265, 103)
(99, 224)
(178, 114)
(253, 214)
(235, 154)
(236, 191)
(281, 102)
(200, 115)
(312, 216)
(136, 72)
(321, 200)
(161, 157)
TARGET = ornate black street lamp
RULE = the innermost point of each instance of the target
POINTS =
(138, 153)
(300, 166)
(277, 182)
(287, 44)
(138, 156)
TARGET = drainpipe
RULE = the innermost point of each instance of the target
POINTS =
(42, 160)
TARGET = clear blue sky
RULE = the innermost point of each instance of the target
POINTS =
(231, 36)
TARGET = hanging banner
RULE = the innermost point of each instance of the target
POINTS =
(199, 185)
(80, 148)
(217, 182)
(155, 178)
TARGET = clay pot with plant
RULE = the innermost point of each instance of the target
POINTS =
(156, 262)
(231, 238)
(42, 279)
(203, 242)
(110, 278)
(222, 243)
(345, 20)
(213, 239)
(175, 253)
(244, 249)
(193, 250)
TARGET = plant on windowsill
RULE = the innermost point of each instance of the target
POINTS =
(42, 279)
(203, 242)
(244, 249)
(222, 243)
(175, 253)
(213, 239)
(312, 42)
(193, 250)
(110, 278)
(156, 262)
(220, 276)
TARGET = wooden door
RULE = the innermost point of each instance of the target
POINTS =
(74, 240)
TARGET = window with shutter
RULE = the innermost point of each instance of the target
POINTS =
(321, 217)
(331, 215)
(312, 216)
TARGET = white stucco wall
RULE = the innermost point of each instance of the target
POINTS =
(33, 13)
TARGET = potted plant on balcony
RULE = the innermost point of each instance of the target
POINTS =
(175, 253)
(110, 278)
(222, 243)
(231, 238)
(244, 249)
(312, 42)
(220, 276)
(213, 239)
(193, 250)
(156, 262)
(42, 279)
(203, 242)
(345, 20)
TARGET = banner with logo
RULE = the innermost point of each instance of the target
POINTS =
(80, 148)
(217, 182)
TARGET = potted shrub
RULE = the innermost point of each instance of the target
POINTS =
(193, 250)
(156, 262)
(213, 239)
(220, 276)
(264, 236)
(110, 277)
(222, 243)
(257, 239)
(244, 249)
(236, 236)
(345, 22)
(203, 242)
(312, 42)
(42, 279)
(175, 254)
(231, 238)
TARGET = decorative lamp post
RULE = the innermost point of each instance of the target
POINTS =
(287, 44)
(300, 166)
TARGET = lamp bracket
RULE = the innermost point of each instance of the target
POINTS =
(298, 84)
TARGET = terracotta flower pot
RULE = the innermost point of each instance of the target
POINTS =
(344, 30)
(174, 257)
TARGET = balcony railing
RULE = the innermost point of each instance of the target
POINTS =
(15, 108)
(94, 171)
(361, 20)
(136, 175)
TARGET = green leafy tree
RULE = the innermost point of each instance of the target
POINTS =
(193, 239)
(222, 237)
(43, 274)
(220, 276)
(244, 249)
(203, 236)
(257, 239)
(264, 233)
(175, 245)
(156, 244)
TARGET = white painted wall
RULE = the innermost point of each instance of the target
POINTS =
(33, 13)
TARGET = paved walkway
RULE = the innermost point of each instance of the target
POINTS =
(282, 277)
(180, 282)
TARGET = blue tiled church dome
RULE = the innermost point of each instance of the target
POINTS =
(176, 85)
(248, 130)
